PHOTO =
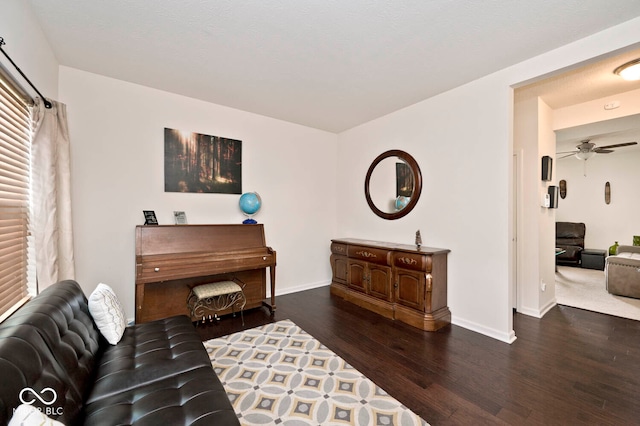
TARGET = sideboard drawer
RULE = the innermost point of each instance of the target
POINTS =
(340, 249)
(412, 261)
(370, 254)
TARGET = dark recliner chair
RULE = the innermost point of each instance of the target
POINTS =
(570, 237)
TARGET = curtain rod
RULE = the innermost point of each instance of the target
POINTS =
(47, 104)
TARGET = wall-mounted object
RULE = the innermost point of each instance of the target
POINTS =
(563, 189)
(636, 240)
(194, 162)
(47, 104)
(607, 193)
(386, 181)
(553, 196)
(547, 166)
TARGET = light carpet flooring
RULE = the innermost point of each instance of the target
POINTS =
(278, 374)
(585, 289)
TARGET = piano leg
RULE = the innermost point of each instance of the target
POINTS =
(272, 305)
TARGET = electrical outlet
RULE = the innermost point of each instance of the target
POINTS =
(612, 105)
(543, 285)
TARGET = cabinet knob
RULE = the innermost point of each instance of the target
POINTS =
(264, 257)
(156, 269)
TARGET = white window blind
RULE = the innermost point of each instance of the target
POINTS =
(15, 145)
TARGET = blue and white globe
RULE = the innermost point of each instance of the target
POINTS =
(401, 202)
(250, 203)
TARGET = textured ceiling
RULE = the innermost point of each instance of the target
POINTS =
(584, 83)
(329, 64)
(602, 133)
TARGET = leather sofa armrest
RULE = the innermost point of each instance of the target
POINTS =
(628, 249)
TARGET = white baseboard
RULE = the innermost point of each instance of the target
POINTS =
(298, 288)
(496, 334)
(538, 313)
(490, 332)
(548, 307)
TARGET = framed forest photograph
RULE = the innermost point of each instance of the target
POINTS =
(404, 180)
(194, 162)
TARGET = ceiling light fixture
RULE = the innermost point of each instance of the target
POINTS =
(630, 70)
(584, 155)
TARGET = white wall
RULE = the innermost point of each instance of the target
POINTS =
(463, 150)
(462, 140)
(117, 140)
(547, 217)
(525, 136)
(29, 49)
(618, 221)
(533, 139)
(593, 111)
(534, 136)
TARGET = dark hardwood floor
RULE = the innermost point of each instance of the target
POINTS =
(570, 367)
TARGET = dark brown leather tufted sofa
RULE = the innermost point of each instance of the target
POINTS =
(570, 237)
(158, 374)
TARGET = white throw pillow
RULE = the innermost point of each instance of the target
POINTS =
(28, 415)
(107, 313)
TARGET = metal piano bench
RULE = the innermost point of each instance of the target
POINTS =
(216, 297)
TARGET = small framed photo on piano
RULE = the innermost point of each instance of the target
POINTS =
(150, 217)
(180, 218)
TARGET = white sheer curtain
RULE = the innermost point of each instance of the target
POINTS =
(51, 183)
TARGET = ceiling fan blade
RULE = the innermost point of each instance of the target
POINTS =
(565, 156)
(603, 151)
(618, 145)
(567, 152)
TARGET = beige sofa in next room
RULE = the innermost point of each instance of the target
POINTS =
(622, 272)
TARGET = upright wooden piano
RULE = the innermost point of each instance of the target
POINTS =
(170, 259)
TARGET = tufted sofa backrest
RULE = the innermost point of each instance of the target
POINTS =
(51, 342)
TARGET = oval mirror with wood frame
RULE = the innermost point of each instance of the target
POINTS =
(393, 184)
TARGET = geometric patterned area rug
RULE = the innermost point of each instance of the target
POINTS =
(278, 374)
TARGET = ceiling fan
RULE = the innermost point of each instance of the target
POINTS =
(586, 149)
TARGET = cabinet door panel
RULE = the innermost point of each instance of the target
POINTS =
(380, 282)
(339, 266)
(356, 276)
(410, 289)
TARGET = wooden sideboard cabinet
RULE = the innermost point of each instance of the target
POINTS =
(394, 280)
